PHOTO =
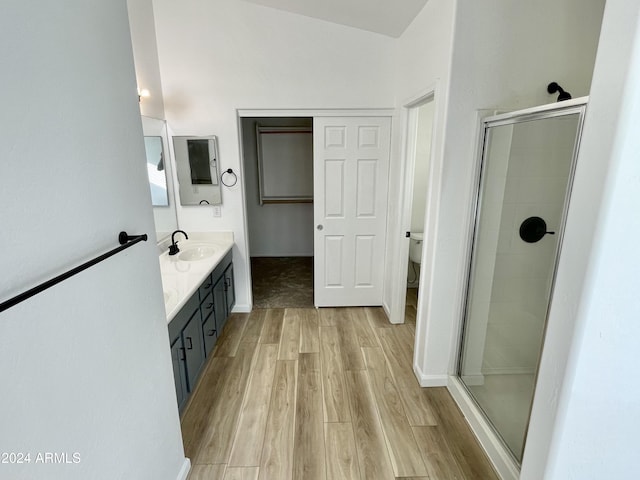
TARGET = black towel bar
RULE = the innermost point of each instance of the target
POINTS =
(125, 241)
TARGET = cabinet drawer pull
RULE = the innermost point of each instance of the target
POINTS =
(211, 333)
(183, 357)
(190, 347)
(210, 306)
(207, 285)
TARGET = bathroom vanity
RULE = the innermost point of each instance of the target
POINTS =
(199, 294)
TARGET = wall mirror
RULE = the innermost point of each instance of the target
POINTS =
(198, 170)
(159, 172)
(156, 171)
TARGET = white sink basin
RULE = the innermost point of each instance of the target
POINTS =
(197, 252)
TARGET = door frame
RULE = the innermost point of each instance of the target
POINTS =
(284, 112)
(410, 139)
(399, 265)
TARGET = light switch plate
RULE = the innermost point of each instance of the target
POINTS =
(217, 211)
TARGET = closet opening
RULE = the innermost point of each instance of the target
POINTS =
(278, 176)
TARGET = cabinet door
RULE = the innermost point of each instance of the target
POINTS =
(193, 346)
(179, 374)
(209, 333)
(230, 288)
(220, 304)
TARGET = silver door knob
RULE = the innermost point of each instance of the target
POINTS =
(319, 227)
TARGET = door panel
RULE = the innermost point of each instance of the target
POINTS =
(351, 163)
(179, 375)
(334, 191)
(194, 349)
(365, 245)
(334, 246)
(366, 184)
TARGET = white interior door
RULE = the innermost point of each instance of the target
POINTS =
(351, 165)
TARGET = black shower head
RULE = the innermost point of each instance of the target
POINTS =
(553, 87)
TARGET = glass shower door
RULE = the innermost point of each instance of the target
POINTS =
(524, 186)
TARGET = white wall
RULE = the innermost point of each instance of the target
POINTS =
(422, 57)
(504, 56)
(422, 161)
(145, 56)
(85, 365)
(217, 57)
(421, 167)
(275, 230)
(587, 419)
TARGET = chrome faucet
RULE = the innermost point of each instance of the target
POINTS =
(173, 248)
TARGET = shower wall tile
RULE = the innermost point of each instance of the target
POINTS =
(541, 190)
(518, 290)
(535, 185)
(520, 266)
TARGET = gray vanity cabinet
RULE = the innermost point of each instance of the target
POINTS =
(219, 303)
(195, 328)
(187, 354)
(209, 330)
(194, 348)
(223, 291)
(179, 372)
(229, 288)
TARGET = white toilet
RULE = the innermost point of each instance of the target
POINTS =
(415, 247)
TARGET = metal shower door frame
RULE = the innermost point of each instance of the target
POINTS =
(568, 107)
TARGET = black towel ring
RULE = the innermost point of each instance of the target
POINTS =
(230, 172)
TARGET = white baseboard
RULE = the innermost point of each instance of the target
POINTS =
(184, 471)
(242, 309)
(501, 459)
(429, 380)
(387, 311)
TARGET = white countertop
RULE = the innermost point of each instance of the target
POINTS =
(181, 279)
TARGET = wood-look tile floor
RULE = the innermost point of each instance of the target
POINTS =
(307, 394)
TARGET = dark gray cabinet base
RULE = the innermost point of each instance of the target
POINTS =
(196, 327)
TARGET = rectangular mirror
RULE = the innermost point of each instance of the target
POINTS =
(197, 169)
(160, 176)
(198, 152)
(156, 171)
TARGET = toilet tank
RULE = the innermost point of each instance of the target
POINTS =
(415, 246)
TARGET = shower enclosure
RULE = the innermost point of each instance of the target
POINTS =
(524, 186)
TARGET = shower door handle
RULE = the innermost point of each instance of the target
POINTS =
(533, 229)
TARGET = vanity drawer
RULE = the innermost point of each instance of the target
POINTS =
(206, 306)
(205, 288)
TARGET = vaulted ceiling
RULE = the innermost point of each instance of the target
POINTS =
(387, 17)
